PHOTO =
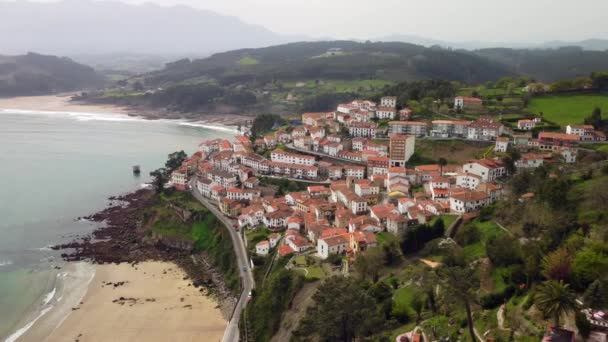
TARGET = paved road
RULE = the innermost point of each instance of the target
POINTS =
(232, 330)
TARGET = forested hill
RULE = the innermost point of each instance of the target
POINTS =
(34, 74)
(549, 64)
(345, 60)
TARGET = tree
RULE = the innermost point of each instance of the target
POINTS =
(175, 160)
(595, 119)
(459, 282)
(503, 250)
(442, 162)
(557, 265)
(342, 311)
(589, 264)
(582, 324)
(369, 264)
(417, 304)
(138, 86)
(159, 179)
(554, 299)
(595, 295)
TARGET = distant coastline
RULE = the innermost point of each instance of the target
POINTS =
(62, 103)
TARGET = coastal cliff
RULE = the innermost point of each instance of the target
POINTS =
(172, 226)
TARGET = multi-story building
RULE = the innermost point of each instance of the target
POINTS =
(484, 128)
(377, 165)
(401, 149)
(383, 113)
(449, 128)
(417, 128)
(292, 158)
(502, 144)
(468, 201)
(388, 101)
(355, 171)
(363, 129)
(580, 130)
(488, 169)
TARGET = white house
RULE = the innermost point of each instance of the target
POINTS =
(529, 161)
(502, 144)
(292, 158)
(469, 201)
(526, 124)
(580, 130)
(388, 101)
(262, 248)
(467, 180)
(386, 113)
(488, 169)
(336, 244)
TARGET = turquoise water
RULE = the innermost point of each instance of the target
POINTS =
(55, 167)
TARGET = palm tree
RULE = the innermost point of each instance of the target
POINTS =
(555, 299)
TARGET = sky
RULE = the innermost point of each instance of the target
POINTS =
(453, 20)
(447, 20)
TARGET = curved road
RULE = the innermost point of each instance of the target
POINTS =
(232, 330)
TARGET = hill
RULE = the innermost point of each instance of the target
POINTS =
(549, 64)
(335, 60)
(74, 27)
(35, 74)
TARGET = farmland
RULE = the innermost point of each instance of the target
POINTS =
(568, 109)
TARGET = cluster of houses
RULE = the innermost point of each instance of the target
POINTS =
(344, 215)
(372, 190)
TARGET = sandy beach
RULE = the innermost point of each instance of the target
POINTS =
(56, 103)
(63, 103)
(149, 301)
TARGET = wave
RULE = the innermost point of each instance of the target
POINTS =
(119, 117)
(49, 296)
(5, 263)
(207, 126)
(27, 327)
(145, 186)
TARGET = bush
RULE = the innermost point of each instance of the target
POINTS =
(582, 324)
(495, 299)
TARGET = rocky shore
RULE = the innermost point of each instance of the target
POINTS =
(123, 238)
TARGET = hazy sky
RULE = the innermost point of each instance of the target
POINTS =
(454, 20)
(461, 20)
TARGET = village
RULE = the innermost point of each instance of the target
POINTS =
(357, 175)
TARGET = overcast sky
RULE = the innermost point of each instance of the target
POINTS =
(453, 20)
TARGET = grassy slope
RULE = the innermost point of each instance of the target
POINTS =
(568, 109)
(454, 151)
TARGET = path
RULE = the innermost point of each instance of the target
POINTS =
(231, 333)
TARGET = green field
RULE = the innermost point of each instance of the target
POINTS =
(248, 60)
(340, 86)
(568, 109)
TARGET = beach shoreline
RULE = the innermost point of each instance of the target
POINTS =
(152, 301)
(63, 103)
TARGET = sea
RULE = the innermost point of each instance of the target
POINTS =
(56, 167)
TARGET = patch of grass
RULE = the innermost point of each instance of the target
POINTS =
(447, 220)
(568, 109)
(598, 147)
(403, 300)
(454, 151)
(474, 251)
(487, 230)
(248, 60)
(385, 237)
(497, 278)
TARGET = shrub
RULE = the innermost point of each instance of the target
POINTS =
(495, 299)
